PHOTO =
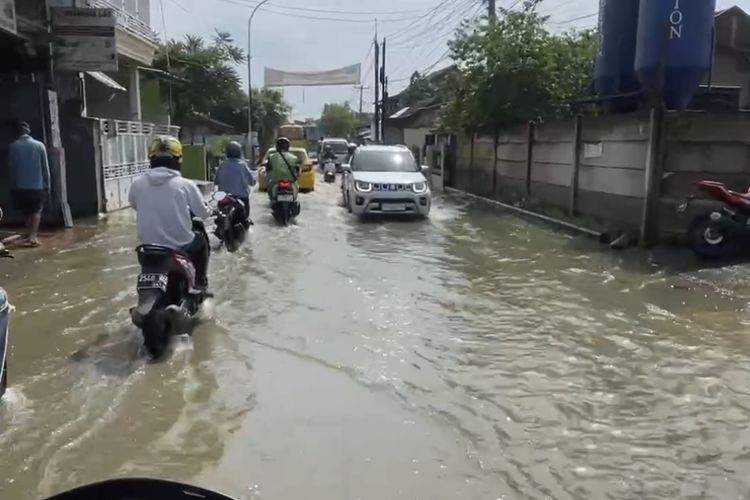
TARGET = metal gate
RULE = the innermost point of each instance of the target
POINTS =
(124, 147)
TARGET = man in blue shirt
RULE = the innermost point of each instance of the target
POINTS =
(234, 176)
(29, 179)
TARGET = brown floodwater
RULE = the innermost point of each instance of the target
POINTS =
(474, 355)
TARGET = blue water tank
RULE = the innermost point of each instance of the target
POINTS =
(676, 35)
(618, 26)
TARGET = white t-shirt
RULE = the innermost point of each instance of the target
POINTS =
(163, 200)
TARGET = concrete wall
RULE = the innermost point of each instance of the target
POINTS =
(610, 188)
(611, 173)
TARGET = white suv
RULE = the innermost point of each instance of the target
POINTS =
(386, 180)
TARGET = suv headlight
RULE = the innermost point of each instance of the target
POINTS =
(419, 187)
(362, 187)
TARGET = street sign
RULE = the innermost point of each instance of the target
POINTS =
(84, 39)
(8, 16)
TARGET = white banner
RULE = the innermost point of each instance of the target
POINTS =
(8, 16)
(349, 75)
(84, 39)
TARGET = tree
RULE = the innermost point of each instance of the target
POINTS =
(211, 84)
(420, 88)
(513, 71)
(338, 120)
(269, 112)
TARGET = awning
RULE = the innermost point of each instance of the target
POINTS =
(109, 82)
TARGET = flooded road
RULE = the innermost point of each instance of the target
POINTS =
(470, 356)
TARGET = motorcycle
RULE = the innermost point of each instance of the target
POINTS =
(329, 172)
(4, 320)
(285, 206)
(229, 210)
(722, 231)
(139, 489)
(167, 297)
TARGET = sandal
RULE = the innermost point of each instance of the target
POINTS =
(32, 244)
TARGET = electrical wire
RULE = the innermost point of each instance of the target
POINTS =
(271, 9)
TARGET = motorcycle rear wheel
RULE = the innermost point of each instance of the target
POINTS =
(155, 328)
(709, 238)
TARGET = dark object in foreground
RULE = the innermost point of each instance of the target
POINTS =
(720, 232)
(139, 489)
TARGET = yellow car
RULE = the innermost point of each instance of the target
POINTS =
(307, 175)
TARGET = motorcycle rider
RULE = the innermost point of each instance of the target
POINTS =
(282, 166)
(165, 204)
(235, 178)
(328, 154)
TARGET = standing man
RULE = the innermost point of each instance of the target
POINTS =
(29, 179)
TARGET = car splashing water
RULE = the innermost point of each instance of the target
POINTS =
(473, 355)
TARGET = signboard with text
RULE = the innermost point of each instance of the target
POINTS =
(8, 16)
(84, 39)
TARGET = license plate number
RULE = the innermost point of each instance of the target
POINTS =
(150, 281)
(285, 197)
(393, 207)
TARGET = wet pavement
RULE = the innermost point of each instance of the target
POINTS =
(474, 355)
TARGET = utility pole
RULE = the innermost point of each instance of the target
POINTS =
(384, 94)
(377, 90)
(492, 14)
(361, 89)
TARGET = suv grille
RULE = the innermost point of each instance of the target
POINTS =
(389, 187)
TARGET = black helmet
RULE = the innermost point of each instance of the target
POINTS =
(283, 144)
(234, 149)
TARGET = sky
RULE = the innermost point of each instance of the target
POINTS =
(311, 35)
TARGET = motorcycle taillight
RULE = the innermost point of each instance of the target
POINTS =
(285, 185)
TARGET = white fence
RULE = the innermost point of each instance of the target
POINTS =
(124, 149)
(126, 20)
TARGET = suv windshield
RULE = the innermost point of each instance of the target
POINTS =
(384, 161)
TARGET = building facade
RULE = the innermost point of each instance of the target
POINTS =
(91, 121)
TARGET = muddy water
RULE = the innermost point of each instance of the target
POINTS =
(471, 356)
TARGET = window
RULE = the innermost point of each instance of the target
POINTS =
(384, 161)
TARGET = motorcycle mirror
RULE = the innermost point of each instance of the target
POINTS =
(219, 195)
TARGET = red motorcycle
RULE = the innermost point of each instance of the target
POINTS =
(722, 231)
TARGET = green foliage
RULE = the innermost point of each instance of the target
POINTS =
(338, 120)
(212, 87)
(419, 89)
(269, 112)
(514, 70)
(210, 79)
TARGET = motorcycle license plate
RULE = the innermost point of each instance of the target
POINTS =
(152, 281)
(393, 207)
(285, 197)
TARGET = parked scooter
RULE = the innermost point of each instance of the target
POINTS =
(329, 172)
(723, 231)
(231, 223)
(4, 320)
(284, 204)
(167, 297)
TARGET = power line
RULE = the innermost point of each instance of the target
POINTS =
(268, 9)
(337, 11)
(579, 18)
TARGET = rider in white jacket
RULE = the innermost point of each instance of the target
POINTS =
(165, 203)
